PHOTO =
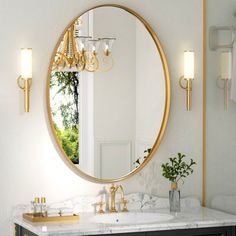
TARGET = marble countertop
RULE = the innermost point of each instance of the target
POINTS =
(198, 217)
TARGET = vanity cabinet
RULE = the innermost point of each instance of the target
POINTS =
(216, 231)
(21, 231)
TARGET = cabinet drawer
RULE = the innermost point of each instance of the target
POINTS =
(217, 231)
(25, 232)
(20, 231)
(127, 234)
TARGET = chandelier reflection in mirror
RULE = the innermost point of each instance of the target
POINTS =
(82, 52)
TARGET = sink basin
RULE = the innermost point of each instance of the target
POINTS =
(130, 218)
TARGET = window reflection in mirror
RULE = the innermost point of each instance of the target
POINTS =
(64, 89)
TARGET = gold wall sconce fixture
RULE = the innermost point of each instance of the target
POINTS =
(188, 77)
(24, 81)
(81, 52)
(225, 75)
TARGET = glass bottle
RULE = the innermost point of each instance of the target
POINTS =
(43, 206)
(37, 207)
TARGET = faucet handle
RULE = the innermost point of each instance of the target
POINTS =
(100, 210)
(124, 201)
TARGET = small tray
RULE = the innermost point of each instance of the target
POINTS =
(39, 218)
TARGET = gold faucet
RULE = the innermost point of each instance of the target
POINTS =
(113, 190)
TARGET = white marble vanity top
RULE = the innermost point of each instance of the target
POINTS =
(192, 215)
(193, 218)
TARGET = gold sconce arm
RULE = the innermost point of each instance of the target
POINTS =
(226, 83)
(188, 88)
(24, 81)
(25, 85)
(226, 67)
(225, 87)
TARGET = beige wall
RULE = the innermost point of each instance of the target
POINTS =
(30, 165)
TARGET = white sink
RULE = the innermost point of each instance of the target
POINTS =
(130, 218)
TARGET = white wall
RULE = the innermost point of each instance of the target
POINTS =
(30, 165)
(150, 91)
(221, 128)
(114, 92)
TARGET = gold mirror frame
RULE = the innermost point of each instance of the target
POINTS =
(166, 110)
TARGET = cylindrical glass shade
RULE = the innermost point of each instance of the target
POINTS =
(226, 65)
(26, 63)
(107, 44)
(188, 64)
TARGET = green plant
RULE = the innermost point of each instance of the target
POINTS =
(177, 168)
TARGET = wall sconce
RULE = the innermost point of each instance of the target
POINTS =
(225, 74)
(24, 81)
(188, 77)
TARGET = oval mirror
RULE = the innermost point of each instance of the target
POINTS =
(108, 93)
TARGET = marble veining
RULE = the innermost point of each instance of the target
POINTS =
(192, 218)
(136, 201)
(192, 215)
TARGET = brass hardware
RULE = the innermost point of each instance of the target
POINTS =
(174, 185)
(25, 85)
(125, 209)
(113, 190)
(24, 81)
(188, 88)
(204, 51)
(165, 117)
(43, 200)
(36, 200)
(226, 94)
(225, 87)
(38, 217)
(100, 210)
(188, 77)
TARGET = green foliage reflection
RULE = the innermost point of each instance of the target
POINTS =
(64, 88)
